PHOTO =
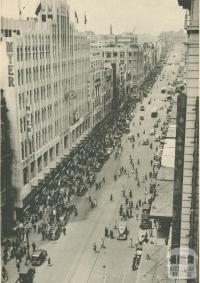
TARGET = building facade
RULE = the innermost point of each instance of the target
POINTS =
(101, 88)
(185, 228)
(46, 64)
(150, 57)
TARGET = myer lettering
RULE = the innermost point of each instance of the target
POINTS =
(9, 48)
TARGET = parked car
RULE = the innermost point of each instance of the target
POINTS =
(141, 118)
(81, 191)
(38, 257)
(157, 138)
(145, 142)
(26, 274)
(54, 232)
(156, 124)
(152, 132)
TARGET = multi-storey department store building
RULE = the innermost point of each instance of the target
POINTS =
(185, 228)
(46, 67)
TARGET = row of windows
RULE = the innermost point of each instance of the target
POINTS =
(45, 72)
(116, 54)
(41, 138)
(38, 95)
(38, 52)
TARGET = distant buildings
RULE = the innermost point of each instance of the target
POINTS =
(150, 57)
(128, 56)
(101, 88)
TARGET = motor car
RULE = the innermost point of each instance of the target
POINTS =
(122, 231)
(145, 142)
(141, 107)
(26, 275)
(163, 90)
(152, 132)
(127, 130)
(109, 150)
(157, 138)
(98, 167)
(81, 192)
(38, 257)
(156, 124)
(141, 118)
(54, 232)
(154, 113)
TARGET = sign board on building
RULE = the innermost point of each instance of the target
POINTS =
(9, 50)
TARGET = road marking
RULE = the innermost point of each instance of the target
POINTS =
(124, 277)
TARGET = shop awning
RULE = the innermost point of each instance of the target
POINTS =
(163, 203)
(155, 268)
(165, 174)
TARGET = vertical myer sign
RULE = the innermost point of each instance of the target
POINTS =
(9, 49)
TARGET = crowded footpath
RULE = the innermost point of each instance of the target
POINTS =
(76, 176)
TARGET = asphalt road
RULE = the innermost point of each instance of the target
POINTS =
(72, 256)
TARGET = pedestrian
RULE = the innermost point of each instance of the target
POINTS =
(95, 247)
(64, 231)
(18, 265)
(34, 227)
(4, 272)
(111, 197)
(106, 232)
(111, 234)
(33, 246)
(102, 244)
(49, 260)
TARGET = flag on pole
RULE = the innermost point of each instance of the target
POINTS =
(76, 16)
(85, 19)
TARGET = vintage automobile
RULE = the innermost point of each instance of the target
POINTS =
(122, 231)
(54, 232)
(157, 138)
(26, 275)
(152, 132)
(137, 257)
(145, 142)
(38, 257)
(81, 191)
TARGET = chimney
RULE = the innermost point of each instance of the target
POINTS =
(111, 30)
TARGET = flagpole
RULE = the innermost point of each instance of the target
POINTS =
(19, 9)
